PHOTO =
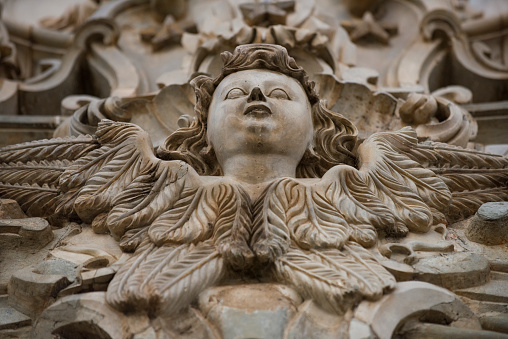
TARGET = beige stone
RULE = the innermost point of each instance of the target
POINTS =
(206, 184)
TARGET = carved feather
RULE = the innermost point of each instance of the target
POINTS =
(270, 234)
(33, 199)
(126, 153)
(190, 220)
(473, 177)
(165, 279)
(312, 219)
(332, 278)
(30, 172)
(220, 212)
(232, 229)
(402, 184)
(147, 197)
(33, 172)
(344, 187)
(69, 148)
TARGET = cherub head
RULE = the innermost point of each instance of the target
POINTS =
(246, 84)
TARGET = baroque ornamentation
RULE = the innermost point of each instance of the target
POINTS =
(192, 222)
(263, 169)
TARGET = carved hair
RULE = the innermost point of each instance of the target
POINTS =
(334, 135)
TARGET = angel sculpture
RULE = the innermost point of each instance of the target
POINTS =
(265, 184)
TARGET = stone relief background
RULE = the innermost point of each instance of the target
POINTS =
(439, 67)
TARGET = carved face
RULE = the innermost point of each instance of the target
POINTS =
(259, 112)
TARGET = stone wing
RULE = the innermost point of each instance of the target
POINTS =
(429, 183)
(415, 196)
(472, 177)
(184, 250)
(30, 173)
(180, 228)
(317, 234)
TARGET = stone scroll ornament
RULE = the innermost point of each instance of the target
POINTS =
(192, 221)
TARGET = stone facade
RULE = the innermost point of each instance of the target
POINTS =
(262, 169)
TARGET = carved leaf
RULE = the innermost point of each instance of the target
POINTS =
(165, 279)
(332, 278)
(403, 185)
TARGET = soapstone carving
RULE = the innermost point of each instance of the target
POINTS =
(266, 184)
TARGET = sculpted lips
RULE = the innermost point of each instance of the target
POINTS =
(258, 110)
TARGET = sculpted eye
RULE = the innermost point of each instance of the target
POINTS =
(235, 93)
(279, 94)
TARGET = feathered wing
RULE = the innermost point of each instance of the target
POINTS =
(415, 196)
(334, 279)
(316, 233)
(30, 172)
(399, 186)
(185, 250)
(179, 227)
(472, 177)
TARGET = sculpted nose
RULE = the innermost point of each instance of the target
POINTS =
(256, 95)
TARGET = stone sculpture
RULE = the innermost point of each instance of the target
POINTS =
(265, 185)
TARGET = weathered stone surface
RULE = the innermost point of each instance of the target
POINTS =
(27, 232)
(250, 311)
(360, 330)
(495, 322)
(414, 299)
(57, 267)
(313, 322)
(453, 270)
(9, 209)
(31, 292)
(11, 319)
(188, 324)
(85, 315)
(490, 224)
(88, 315)
(495, 290)
(437, 331)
